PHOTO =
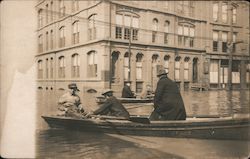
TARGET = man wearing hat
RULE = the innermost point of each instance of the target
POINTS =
(168, 103)
(69, 103)
(112, 106)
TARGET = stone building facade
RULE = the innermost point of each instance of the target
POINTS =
(87, 42)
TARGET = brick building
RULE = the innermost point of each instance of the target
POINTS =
(87, 42)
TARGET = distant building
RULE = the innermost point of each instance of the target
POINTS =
(87, 42)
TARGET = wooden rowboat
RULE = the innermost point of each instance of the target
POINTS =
(212, 128)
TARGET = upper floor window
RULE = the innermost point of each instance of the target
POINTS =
(40, 69)
(186, 68)
(186, 7)
(61, 37)
(51, 67)
(75, 65)
(62, 8)
(47, 13)
(92, 27)
(166, 4)
(51, 39)
(47, 68)
(75, 36)
(224, 12)
(126, 66)
(40, 43)
(224, 41)
(51, 10)
(155, 29)
(127, 25)
(62, 65)
(234, 15)
(47, 40)
(40, 18)
(166, 32)
(186, 35)
(215, 11)
(75, 5)
(215, 40)
(92, 64)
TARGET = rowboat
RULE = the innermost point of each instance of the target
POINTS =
(203, 128)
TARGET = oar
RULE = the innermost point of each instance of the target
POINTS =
(137, 119)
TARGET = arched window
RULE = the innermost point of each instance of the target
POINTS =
(166, 62)
(195, 70)
(115, 65)
(126, 66)
(75, 35)
(51, 67)
(75, 65)
(40, 69)
(40, 43)
(154, 78)
(92, 27)
(186, 68)
(61, 8)
(166, 32)
(177, 68)
(139, 57)
(47, 68)
(75, 5)
(155, 29)
(61, 37)
(92, 64)
(40, 18)
(62, 65)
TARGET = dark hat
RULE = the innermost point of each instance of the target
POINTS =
(161, 71)
(73, 86)
(107, 91)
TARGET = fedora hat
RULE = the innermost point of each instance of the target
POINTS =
(161, 71)
(73, 86)
(107, 91)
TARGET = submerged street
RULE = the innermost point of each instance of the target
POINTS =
(71, 144)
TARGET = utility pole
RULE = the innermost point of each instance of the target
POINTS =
(129, 54)
(230, 47)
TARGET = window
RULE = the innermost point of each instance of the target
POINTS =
(186, 35)
(40, 18)
(47, 41)
(75, 65)
(51, 11)
(177, 68)
(61, 8)
(92, 27)
(51, 39)
(234, 41)
(214, 71)
(155, 29)
(61, 37)
(166, 63)
(186, 7)
(215, 40)
(47, 68)
(75, 36)
(139, 66)
(40, 43)
(235, 71)
(40, 69)
(139, 86)
(215, 11)
(166, 4)
(186, 68)
(51, 67)
(234, 15)
(126, 66)
(224, 41)
(224, 12)
(62, 65)
(47, 13)
(92, 64)
(127, 25)
(75, 5)
(247, 63)
(166, 31)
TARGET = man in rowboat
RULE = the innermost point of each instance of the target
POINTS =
(126, 91)
(111, 107)
(69, 103)
(168, 103)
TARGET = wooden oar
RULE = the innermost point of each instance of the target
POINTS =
(137, 119)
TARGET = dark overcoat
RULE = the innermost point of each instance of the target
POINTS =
(168, 103)
(112, 107)
(127, 93)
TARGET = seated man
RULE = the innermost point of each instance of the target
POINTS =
(112, 106)
(126, 91)
(69, 103)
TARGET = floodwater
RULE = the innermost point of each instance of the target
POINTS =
(53, 143)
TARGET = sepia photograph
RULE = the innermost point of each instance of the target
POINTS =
(120, 79)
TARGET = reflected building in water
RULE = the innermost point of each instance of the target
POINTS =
(106, 43)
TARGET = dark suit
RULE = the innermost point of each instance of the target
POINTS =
(112, 107)
(127, 93)
(168, 102)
